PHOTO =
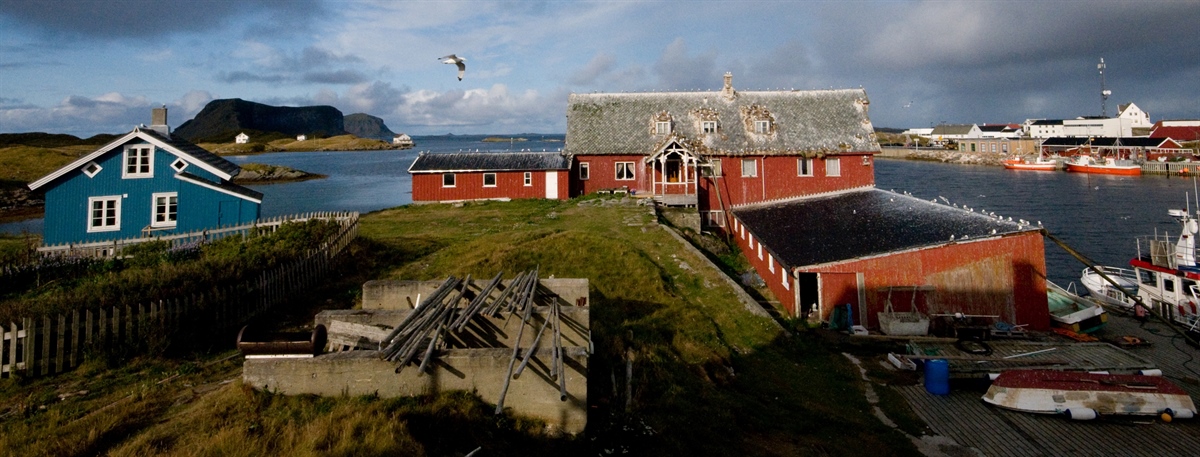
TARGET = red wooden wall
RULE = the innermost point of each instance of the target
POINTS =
(427, 187)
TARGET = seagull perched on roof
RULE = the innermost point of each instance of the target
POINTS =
(456, 60)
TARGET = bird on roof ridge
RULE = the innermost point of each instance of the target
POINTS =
(457, 61)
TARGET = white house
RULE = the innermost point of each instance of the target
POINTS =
(241, 138)
(925, 132)
(1137, 117)
(301, 137)
(1106, 127)
(403, 140)
(951, 132)
(1043, 128)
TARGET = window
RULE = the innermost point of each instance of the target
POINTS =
(1168, 285)
(1004, 147)
(762, 126)
(166, 209)
(749, 168)
(662, 127)
(866, 161)
(784, 279)
(711, 169)
(489, 180)
(178, 165)
(447, 179)
(584, 173)
(771, 263)
(804, 167)
(528, 178)
(139, 161)
(1148, 278)
(92, 169)
(624, 171)
(714, 218)
(708, 126)
(993, 147)
(104, 214)
(833, 167)
(972, 147)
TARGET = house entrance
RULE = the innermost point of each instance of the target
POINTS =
(673, 174)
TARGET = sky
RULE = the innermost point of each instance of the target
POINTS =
(87, 66)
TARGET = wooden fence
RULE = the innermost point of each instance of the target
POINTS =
(1171, 168)
(48, 345)
(113, 247)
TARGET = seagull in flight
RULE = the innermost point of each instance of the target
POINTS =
(456, 60)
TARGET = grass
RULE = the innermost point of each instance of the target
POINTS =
(708, 378)
(336, 143)
(23, 164)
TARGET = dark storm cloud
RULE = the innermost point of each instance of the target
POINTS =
(146, 18)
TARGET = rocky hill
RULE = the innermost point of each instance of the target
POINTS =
(221, 120)
(367, 126)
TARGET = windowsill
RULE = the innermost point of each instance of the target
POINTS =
(103, 229)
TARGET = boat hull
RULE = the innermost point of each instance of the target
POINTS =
(1122, 170)
(1104, 292)
(1031, 166)
(1057, 392)
(1072, 312)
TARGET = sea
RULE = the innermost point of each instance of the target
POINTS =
(1098, 216)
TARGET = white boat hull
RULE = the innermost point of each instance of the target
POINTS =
(1086, 395)
(1104, 292)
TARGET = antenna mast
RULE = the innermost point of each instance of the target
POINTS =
(1104, 93)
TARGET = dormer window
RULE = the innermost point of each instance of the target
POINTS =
(662, 128)
(91, 169)
(762, 126)
(708, 127)
(139, 161)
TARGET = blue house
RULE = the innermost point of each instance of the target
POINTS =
(145, 183)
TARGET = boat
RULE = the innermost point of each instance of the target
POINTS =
(1070, 311)
(1167, 277)
(1084, 163)
(1100, 290)
(1041, 163)
(1085, 396)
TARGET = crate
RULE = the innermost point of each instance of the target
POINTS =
(903, 324)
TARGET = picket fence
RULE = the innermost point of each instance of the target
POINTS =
(47, 345)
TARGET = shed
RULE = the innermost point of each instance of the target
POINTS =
(446, 177)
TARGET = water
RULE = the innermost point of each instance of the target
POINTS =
(1097, 215)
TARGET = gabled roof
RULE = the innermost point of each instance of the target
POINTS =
(1180, 133)
(488, 161)
(804, 122)
(864, 223)
(177, 146)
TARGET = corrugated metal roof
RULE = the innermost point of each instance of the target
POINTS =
(862, 223)
(803, 122)
(488, 161)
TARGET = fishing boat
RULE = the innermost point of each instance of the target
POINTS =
(1105, 292)
(1070, 311)
(1085, 396)
(1041, 163)
(1167, 277)
(1084, 163)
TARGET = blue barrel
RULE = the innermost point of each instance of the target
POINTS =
(937, 376)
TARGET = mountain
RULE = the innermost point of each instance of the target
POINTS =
(367, 126)
(221, 120)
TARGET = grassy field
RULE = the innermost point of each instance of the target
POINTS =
(708, 378)
(336, 143)
(22, 164)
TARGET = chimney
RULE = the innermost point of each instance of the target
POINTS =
(158, 121)
(728, 91)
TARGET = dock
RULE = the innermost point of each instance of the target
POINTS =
(965, 418)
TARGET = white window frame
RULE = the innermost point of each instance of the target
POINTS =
(866, 160)
(770, 262)
(585, 172)
(171, 211)
(804, 167)
(179, 165)
(762, 126)
(113, 204)
(708, 127)
(629, 172)
(143, 158)
(528, 179)
(753, 168)
(662, 128)
(92, 169)
(833, 166)
(714, 218)
(485, 179)
(783, 276)
(453, 180)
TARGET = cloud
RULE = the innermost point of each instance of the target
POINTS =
(492, 110)
(310, 65)
(334, 77)
(239, 76)
(678, 70)
(148, 18)
(600, 65)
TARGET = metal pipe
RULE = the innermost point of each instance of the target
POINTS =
(475, 304)
(512, 362)
(562, 375)
(532, 349)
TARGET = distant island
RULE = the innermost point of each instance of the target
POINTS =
(261, 173)
(499, 139)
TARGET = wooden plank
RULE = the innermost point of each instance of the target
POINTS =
(47, 335)
(76, 338)
(59, 347)
(7, 341)
(115, 327)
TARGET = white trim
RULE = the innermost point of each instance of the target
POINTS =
(583, 166)
(115, 207)
(485, 180)
(837, 169)
(662, 127)
(528, 179)
(753, 173)
(138, 150)
(179, 168)
(208, 185)
(799, 169)
(629, 168)
(120, 142)
(154, 209)
(453, 177)
(770, 262)
(94, 173)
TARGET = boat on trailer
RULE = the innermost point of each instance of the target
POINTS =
(1106, 166)
(1072, 312)
(1041, 163)
(1167, 277)
(1086, 396)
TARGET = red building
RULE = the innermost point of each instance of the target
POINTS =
(489, 176)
